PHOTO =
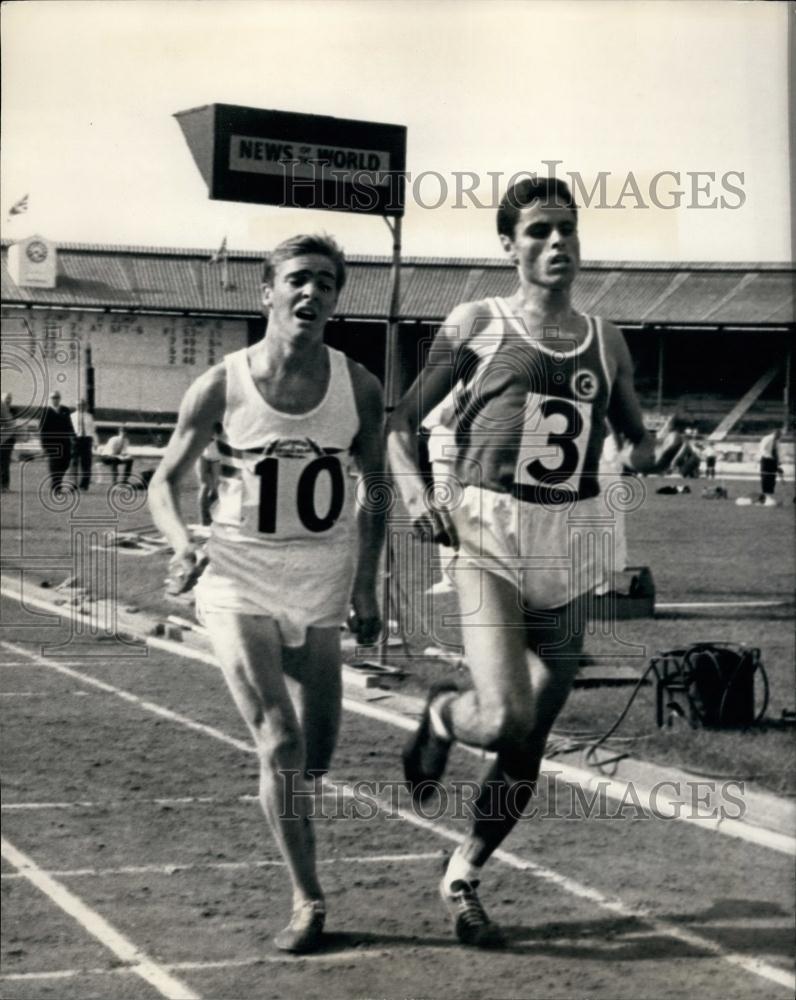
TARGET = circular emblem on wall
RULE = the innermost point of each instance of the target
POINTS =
(36, 251)
(584, 384)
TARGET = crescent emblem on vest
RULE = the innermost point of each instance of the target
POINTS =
(584, 384)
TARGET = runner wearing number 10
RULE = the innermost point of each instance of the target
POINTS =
(521, 389)
(290, 548)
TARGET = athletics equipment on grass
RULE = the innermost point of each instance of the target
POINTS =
(712, 684)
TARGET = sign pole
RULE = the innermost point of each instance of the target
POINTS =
(90, 383)
(391, 395)
(391, 388)
(660, 372)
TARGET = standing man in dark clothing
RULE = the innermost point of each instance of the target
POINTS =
(768, 454)
(83, 425)
(57, 438)
(709, 454)
(7, 440)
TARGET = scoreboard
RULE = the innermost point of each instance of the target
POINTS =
(142, 363)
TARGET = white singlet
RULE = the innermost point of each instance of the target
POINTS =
(283, 539)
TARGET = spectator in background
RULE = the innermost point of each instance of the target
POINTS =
(709, 454)
(768, 453)
(686, 461)
(83, 424)
(116, 454)
(7, 439)
(57, 438)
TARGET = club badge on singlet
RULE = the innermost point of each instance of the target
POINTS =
(293, 489)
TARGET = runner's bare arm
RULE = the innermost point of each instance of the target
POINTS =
(372, 495)
(201, 407)
(431, 386)
(624, 409)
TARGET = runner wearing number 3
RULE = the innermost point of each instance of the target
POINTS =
(521, 390)
(290, 548)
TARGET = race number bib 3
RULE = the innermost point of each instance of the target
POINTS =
(552, 450)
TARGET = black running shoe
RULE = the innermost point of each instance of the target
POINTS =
(426, 754)
(470, 921)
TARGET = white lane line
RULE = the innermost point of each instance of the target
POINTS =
(754, 966)
(348, 955)
(149, 706)
(720, 604)
(752, 922)
(180, 800)
(26, 663)
(124, 949)
(61, 974)
(179, 869)
(23, 806)
(45, 694)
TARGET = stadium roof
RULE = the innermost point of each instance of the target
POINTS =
(630, 293)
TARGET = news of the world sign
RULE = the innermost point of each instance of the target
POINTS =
(313, 161)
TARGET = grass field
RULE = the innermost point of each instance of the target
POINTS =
(700, 552)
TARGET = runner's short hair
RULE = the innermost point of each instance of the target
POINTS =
(299, 246)
(546, 190)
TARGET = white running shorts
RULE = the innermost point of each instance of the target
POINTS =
(552, 555)
(298, 584)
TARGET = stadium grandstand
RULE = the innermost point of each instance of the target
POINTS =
(712, 341)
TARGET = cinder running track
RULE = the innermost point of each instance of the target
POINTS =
(136, 863)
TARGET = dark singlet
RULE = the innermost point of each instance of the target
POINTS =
(528, 416)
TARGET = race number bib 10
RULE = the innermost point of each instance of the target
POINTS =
(293, 495)
(553, 446)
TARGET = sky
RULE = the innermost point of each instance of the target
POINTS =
(623, 88)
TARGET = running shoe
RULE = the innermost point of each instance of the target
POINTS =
(470, 921)
(426, 754)
(305, 930)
